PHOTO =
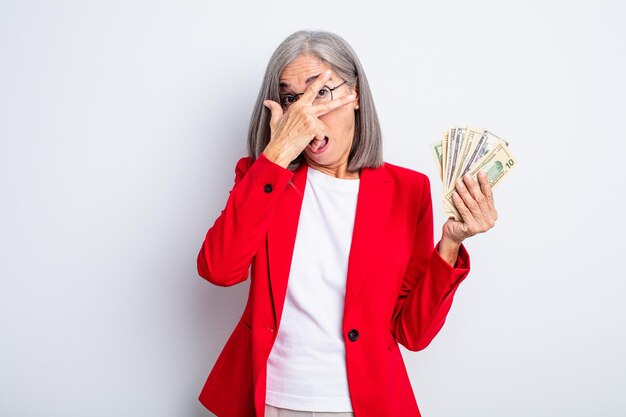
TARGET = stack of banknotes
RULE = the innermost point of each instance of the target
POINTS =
(464, 149)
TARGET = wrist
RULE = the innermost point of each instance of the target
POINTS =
(275, 157)
(449, 249)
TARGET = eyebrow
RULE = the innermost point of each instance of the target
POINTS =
(308, 80)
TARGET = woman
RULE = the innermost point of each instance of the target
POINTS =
(340, 246)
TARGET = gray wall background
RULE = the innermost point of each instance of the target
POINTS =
(120, 126)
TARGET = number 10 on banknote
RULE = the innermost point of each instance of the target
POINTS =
(464, 149)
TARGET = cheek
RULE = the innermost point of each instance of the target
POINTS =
(340, 122)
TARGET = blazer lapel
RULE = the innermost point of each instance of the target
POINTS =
(281, 238)
(372, 211)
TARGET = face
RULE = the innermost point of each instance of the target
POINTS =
(340, 122)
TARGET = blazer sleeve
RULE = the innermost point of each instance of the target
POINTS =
(240, 229)
(429, 284)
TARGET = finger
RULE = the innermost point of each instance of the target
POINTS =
(467, 198)
(311, 92)
(276, 112)
(321, 109)
(455, 229)
(485, 187)
(466, 214)
(475, 190)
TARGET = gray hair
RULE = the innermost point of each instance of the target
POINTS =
(335, 52)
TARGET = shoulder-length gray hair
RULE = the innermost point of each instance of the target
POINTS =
(335, 52)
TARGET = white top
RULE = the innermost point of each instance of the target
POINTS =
(306, 369)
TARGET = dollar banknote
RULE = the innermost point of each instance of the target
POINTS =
(468, 150)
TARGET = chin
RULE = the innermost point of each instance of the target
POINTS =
(322, 159)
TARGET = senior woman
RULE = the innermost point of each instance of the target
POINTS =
(339, 245)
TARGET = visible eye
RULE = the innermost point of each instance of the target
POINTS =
(287, 99)
(323, 93)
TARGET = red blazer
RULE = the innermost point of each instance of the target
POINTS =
(398, 290)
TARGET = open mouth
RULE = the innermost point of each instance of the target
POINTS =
(318, 146)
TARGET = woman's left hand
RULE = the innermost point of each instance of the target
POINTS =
(474, 201)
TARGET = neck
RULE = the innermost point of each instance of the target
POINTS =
(337, 172)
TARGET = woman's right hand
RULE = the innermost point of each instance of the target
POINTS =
(292, 130)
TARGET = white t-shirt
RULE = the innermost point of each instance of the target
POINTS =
(306, 369)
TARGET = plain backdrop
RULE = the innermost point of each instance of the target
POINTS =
(120, 126)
